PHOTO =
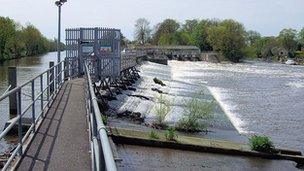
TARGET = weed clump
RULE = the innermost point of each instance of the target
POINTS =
(161, 110)
(195, 111)
(158, 81)
(170, 134)
(262, 144)
(153, 135)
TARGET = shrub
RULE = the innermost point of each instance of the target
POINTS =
(261, 143)
(158, 81)
(195, 110)
(105, 119)
(153, 135)
(161, 110)
(170, 134)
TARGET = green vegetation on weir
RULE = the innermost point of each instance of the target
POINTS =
(228, 37)
(17, 41)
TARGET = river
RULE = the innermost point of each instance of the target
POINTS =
(258, 97)
(27, 68)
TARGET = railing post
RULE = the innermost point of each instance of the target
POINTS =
(33, 106)
(41, 96)
(12, 81)
(19, 121)
(48, 87)
(51, 64)
(66, 70)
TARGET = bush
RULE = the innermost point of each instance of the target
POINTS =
(161, 110)
(261, 143)
(153, 135)
(170, 134)
(195, 110)
(158, 81)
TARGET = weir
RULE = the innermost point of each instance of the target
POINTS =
(68, 127)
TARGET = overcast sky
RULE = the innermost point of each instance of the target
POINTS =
(265, 16)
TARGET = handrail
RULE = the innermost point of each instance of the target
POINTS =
(101, 130)
(28, 82)
(6, 90)
(51, 88)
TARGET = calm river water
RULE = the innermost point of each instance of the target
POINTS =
(27, 68)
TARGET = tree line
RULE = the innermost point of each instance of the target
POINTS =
(227, 37)
(17, 41)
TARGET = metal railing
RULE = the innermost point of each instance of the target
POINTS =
(43, 89)
(98, 133)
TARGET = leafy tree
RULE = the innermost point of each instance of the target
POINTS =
(252, 37)
(190, 25)
(7, 32)
(200, 34)
(166, 32)
(228, 39)
(17, 41)
(142, 30)
(301, 37)
(287, 39)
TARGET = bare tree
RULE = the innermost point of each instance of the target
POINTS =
(142, 30)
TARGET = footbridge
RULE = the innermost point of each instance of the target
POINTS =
(58, 124)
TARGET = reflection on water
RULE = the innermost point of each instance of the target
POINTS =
(27, 68)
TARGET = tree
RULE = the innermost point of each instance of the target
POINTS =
(7, 32)
(252, 37)
(166, 31)
(287, 39)
(142, 31)
(190, 25)
(301, 37)
(200, 34)
(228, 38)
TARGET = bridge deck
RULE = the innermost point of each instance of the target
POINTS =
(62, 141)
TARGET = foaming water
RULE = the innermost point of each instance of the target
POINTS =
(223, 101)
(259, 98)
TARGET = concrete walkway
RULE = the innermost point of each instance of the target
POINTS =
(62, 141)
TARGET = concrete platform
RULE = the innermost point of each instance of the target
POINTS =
(62, 141)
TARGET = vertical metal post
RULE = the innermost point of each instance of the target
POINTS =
(33, 106)
(66, 70)
(19, 121)
(51, 64)
(59, 38)
(48, 87)
(12, 81)
(41, 97)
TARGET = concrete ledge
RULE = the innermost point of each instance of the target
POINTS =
(134, 137)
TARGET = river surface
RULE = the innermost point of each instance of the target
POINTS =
(258, 97)
(27, 68)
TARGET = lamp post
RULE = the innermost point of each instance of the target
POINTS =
(59, 4)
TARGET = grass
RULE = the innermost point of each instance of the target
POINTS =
(153, 135)
(161, 110)
(158, 81)
(170, 134)
(195, 111)
(261, 144)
